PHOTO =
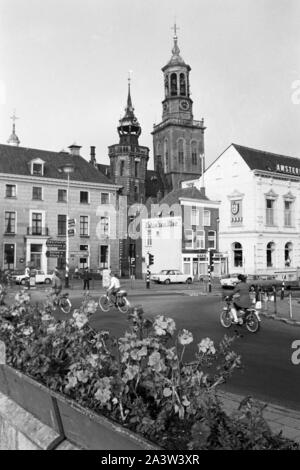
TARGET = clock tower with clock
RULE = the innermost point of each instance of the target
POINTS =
(178, 140)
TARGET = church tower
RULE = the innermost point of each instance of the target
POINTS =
(178, 140)
(128, 159)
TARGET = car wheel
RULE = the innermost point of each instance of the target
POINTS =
(167, 281)
(189, 280)
(47, 281)
(23, 282)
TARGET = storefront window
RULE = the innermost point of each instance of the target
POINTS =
(270, 254)
(288, 253)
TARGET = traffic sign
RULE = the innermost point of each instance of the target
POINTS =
(55, 254)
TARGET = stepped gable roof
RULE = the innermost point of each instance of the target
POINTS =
(189, 193)
(267, 161)
(15, 161)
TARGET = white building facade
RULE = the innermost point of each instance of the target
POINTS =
(259, 211)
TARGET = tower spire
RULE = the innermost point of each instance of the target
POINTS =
(175, 49)
(14, 139)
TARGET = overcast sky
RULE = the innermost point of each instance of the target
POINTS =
(64, 67)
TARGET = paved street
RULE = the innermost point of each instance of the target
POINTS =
(268, 372)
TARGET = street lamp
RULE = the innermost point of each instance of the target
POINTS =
(68, 168)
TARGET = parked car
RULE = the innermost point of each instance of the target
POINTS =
(40, 277)
(229, 280)
(167, 276)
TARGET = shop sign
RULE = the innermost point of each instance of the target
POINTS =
(291, 170)
(56, 243)
(236, 212)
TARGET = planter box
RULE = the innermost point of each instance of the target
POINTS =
(79, 425)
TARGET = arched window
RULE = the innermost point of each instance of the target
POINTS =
(237, 255)
(167, 85)
(173, 84)
(180, 151)
(288, 254)
(182, 85)
(194, 153)
(270, 254)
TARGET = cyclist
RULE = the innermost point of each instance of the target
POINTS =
(243, 299)
(113, 288)
(56, 285)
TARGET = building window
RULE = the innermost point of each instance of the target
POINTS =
(104, 256)
(36, 223)
(9, 256)
(37, 169)
(270, 254)
(104, 226)
(288, 254)
(122, 167)
(136, 194)
(206, 218)
(37, 193)
(188, 238)
(84, 197)
(237, 255)
(212, 239)
(136, 169)
(180, 152)
(10, 190)
(84, 226)
(10, 222)
(62, 195)
(182, 85)
(61, 225)
(36, 255)
(194, 153)
(288, 222)
(104, 198)
(194, 216)
(199, 239)
(270, 204)
(149, 237)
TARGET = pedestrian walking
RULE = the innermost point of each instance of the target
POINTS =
(86, 279)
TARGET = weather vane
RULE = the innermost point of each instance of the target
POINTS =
(14, 117)
(175, 28)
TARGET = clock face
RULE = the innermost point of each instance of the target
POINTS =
(184, 104)
(165, 106)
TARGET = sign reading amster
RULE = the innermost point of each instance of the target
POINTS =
(236, 212)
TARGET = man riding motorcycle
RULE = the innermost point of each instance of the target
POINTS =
(242, 299)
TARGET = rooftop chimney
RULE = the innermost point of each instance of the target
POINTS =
(74, 149)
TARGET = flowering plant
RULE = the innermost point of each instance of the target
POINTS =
(140, 380)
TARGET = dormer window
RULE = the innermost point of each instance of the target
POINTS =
(37, 167)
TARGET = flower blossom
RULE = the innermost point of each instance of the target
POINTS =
(91, 306)
(28, 331)
(185, 337)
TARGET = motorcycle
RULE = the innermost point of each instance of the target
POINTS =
(121, 302)
(246, 316)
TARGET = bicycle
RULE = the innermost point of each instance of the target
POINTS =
(63, 302)
(121, 302)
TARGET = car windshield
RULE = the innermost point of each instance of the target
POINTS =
(164, 271)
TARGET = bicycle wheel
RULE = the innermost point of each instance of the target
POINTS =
(65, 305)
(225, 319)
(104, 303)
(123, 305)
(252, 323)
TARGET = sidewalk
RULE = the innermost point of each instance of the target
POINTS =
(278, 417)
